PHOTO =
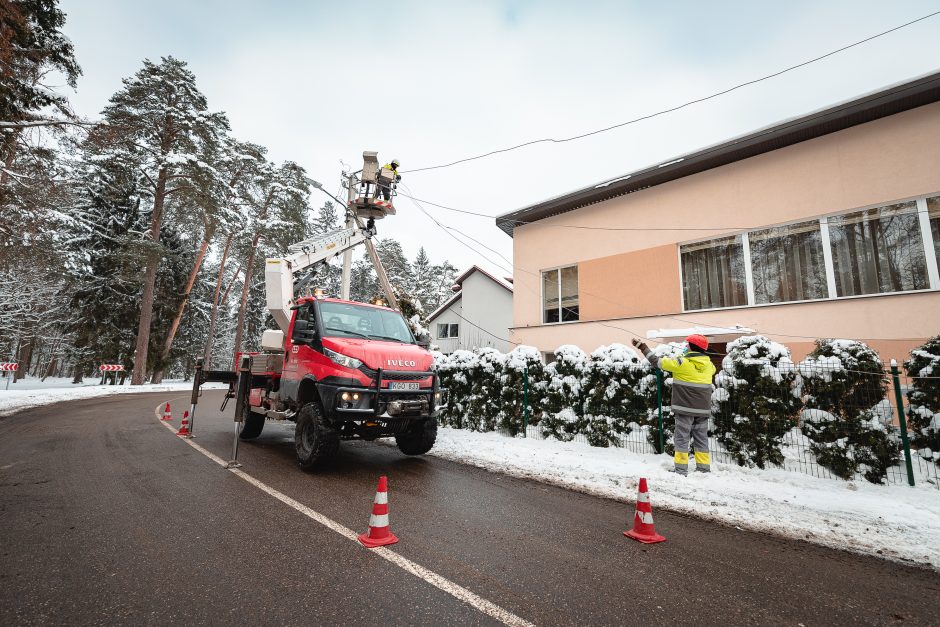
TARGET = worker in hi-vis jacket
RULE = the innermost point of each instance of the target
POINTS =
(691, 399)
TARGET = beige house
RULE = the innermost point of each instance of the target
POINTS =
(827, 225)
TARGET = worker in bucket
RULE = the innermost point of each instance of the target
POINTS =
(386, 186)
(692, 388)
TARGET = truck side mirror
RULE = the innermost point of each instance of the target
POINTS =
(424, 342)
(302, 332)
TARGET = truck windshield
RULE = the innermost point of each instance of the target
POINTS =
(347, 320)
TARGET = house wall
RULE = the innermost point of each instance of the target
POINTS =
(631, 278)
(448, 316)
(486, 305)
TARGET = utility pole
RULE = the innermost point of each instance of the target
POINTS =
(350, 223)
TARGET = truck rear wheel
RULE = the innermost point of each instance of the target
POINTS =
(252, 424)
(419, 440)
(314, 440)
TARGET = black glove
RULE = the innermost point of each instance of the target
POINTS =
(641, 345)
(397, 177)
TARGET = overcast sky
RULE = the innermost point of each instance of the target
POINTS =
(430, 82)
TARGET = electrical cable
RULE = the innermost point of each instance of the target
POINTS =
(675, 108)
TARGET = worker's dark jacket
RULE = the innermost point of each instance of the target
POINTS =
(691, 382)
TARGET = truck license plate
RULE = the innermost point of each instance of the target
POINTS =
(397, 385)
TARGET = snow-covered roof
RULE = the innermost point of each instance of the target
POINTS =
(472, 269)
(711, 332)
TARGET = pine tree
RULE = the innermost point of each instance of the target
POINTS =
(757, 400)
(159, 124)
(845, 387)
(923, 399)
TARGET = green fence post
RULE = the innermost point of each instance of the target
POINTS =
(902, 420)
(659, 402)
(525, 401)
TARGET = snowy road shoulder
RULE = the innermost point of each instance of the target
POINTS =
(898, 522)
(31, 393)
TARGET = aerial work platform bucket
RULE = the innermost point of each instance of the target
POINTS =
(369, 201)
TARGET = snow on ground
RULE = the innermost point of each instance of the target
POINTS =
(897, 522)
(32, 392)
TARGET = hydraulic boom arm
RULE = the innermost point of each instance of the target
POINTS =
(279, 272)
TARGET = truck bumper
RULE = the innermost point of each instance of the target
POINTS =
(350, 402)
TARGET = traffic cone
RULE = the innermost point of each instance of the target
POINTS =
(166, 413)
(184, 425)
(379, 532)
(643, 530)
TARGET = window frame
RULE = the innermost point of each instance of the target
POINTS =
(930, 254)
(557, 269)
(450, 327)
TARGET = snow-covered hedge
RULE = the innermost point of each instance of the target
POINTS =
(522, 361)
(613, 402)
(756, 399)
(836, 397)
(847, 417)
(923, 398)
(563, 403)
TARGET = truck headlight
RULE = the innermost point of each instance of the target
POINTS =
(341, 359)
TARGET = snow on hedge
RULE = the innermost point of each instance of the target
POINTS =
(923, 398)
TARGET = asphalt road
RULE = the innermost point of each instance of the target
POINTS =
(107, 517)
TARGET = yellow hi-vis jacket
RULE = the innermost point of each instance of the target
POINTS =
(691, 382)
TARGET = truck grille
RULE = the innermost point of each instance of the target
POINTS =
(391, 375)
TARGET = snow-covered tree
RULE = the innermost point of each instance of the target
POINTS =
(757, 400)
(159, 126)
(923, 398)
(844, 387)
(613, 402)
(563, 403)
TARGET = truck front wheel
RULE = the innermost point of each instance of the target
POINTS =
(314, 440)
(418, 440)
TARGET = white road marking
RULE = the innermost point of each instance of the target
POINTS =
(442, 583)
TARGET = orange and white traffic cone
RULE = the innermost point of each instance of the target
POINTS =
(184, 425)
(379, 532)
(643, 529)
(166, 413)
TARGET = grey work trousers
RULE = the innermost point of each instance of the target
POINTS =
(694, 428)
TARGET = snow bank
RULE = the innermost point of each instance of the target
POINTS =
(30, 393)
(894, 522)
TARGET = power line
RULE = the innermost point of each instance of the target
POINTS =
(676, 108)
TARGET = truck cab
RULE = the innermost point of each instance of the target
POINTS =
(344, 370)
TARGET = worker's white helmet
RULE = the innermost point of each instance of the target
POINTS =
(395, 163)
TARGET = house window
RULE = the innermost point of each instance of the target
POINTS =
(560, 295)
(878, 250)
(933, 215)
(787, 263)
(713, 274)
(445, 330)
